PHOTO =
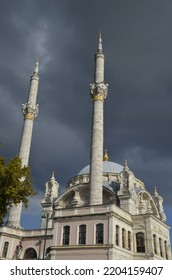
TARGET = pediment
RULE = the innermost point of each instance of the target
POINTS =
(80, 196)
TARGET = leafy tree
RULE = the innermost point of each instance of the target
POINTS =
(15, 184)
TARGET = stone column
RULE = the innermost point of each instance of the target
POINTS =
(30, 111)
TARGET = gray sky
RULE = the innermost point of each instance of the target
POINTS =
(137, 42)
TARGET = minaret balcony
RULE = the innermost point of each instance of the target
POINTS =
(98, 91)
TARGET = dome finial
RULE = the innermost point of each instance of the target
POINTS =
(106, 157)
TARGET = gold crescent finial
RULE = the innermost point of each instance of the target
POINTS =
(106, 157)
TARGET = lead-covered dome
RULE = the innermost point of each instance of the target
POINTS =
(108, 167)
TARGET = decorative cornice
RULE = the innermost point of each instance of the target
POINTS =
(94, 246)
(98, 97)
(29, 117)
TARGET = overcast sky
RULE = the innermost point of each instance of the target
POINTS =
(137, 42)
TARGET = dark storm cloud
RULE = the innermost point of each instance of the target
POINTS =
(137, 42)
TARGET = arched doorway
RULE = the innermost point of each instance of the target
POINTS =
(30, 254)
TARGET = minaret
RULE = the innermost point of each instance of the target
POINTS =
(30, 112)
(98, 91)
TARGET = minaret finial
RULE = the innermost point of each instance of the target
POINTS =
(52, 177)
(100, 48)
(106, 157)
(36, 66)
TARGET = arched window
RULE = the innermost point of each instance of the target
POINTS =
(117, 235)
(30, 254)
(82, 234)
(5, 249)
(154, 243)
(129, 241)
(47, 253)
(166, 251)
(123, 237)
(99, 233)
(160, 247)
(140, 242)
(66, 235)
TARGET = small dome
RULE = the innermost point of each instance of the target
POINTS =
(108, 167)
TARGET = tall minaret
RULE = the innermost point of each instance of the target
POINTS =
(98, 91)
(30, 112)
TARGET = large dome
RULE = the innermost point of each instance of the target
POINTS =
(108, 167)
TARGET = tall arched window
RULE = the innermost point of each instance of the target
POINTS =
(47, 253)
(154, 243)
(140, 242)
(117, 235)
(5, 249)
(30, 254)
(82, 234)
(66, 235)
(166, 251)
(129, 241)
(160, 247)
(123, 237)
(99, 233)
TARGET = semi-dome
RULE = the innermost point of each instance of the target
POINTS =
(108, 167)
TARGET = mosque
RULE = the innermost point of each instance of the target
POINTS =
(105, 212)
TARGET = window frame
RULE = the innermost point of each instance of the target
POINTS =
(66, 235)
(82, 234)
(117, 235)
(140, 242)
(129, 241)
(166, 249)
(123, 238)
(5, 249)
(160, 247)
(154, 244)
(99, 233)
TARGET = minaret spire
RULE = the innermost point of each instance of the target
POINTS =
(30, 112)
(100, 48)
(36, 66)
(98, 92)
(99, 62)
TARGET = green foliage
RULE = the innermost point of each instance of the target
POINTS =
(15, 184)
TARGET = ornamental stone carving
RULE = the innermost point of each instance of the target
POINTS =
(30, 111)
(98, 91)
(76, 201)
